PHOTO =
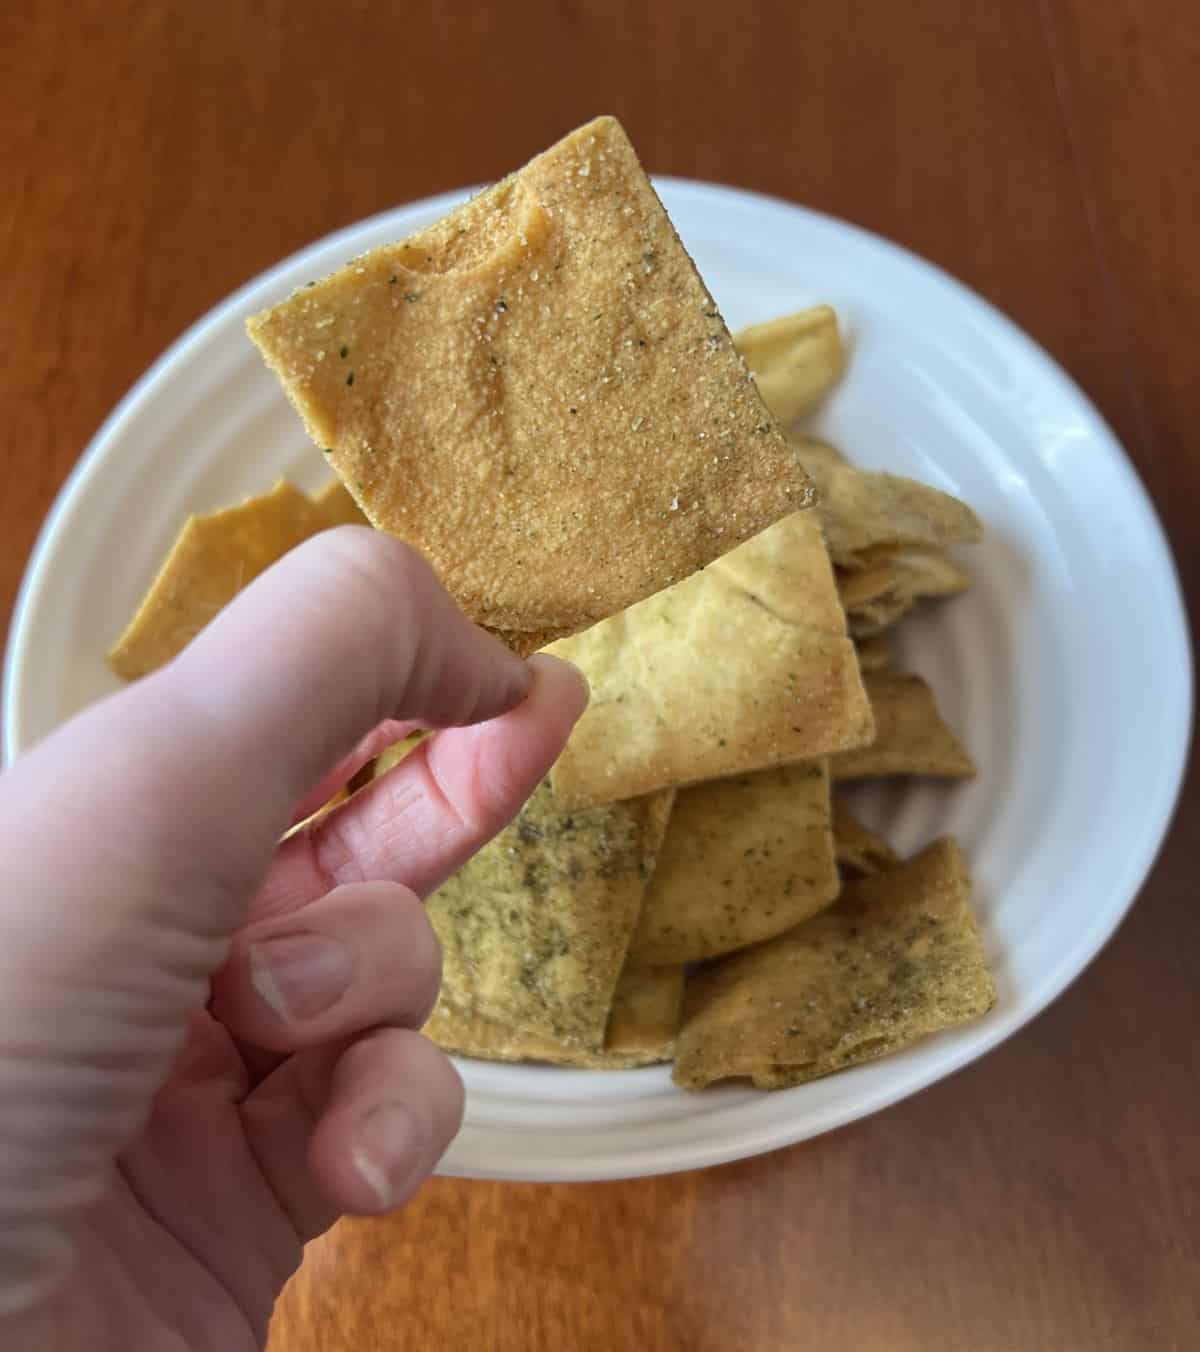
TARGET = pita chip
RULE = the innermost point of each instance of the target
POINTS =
(860, 852)
(337, 507)
(745, 665)
(879, 594)
(866, 514)
(795, 360)
(214, 557)
(911, 737)
(641, 1027)
(874, 653)
(539, 393)
(897, 959)
(743, 860)
(535, 927)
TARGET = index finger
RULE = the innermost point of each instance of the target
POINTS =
(177, 789)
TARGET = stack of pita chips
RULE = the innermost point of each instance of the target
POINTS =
(540, 394)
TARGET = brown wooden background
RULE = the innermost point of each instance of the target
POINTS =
(155, 155)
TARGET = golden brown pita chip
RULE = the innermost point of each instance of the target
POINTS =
(485, 1040)
(874, 653)
(882, 592)
(795, 360)
(859, 851)
(526, 641)
(898, 958)
(391, 756)
(743, 860)
(645, 1011)
(820, 454)
(535, 927)
(864, 514)
(315, 818)
(539, 393)
(214, 557)
(641, 1027)
(337, 507)
(743, 666)
(910, 735)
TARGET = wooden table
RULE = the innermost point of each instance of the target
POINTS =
(156, 155)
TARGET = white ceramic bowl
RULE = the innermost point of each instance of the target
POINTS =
(1066, 668)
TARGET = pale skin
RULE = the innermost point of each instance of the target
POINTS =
(207, 1045)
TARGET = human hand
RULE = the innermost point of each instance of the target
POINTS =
(206, 1037)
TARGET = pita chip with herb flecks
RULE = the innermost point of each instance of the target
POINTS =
(539, 393)
(534, 928)
(744, 859)
(640, 1032)
(898, 958)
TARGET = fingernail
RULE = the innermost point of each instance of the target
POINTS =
(388, 1151)
(300, 975)
(584, 685)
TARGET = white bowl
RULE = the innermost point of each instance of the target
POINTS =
(1066, 668)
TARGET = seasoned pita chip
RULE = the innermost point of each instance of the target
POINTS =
(860, 852)
(898, 958)
(743, 666)
(743, 860)
(535, 927)
(526, 641)
(214, 557)
(866, 514)
(875, 653)
(539, 393)
(910, 735)
(641, 1027)
(337, 507)
(485, 1040)
(795, 360)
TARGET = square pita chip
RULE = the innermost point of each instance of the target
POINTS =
(214, 557)
(743, 860)
(911, 737)
(641, 1027)
(898, 958)
(535, 927)
(745, 665)
(540, 394)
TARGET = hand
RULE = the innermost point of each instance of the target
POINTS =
(206, 1037)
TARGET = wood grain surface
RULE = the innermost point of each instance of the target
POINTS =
(154, 156)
